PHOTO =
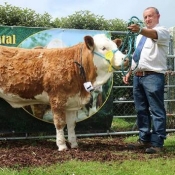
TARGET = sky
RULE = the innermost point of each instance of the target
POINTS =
(109, 9)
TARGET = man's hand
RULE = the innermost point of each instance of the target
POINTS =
(134, 28)
(126, 77)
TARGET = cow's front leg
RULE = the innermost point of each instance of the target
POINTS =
(71, 122)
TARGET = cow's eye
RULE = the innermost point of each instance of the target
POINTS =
(104, 48)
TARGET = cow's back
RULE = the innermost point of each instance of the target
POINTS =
(21, 69)
(30, 72)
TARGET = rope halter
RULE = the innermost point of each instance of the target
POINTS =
(109, 55)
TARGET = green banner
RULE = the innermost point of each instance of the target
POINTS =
(38, 118)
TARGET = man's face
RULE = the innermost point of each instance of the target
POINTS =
(151, 18)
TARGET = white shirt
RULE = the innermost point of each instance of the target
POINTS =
(154, 53)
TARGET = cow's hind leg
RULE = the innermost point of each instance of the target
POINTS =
(60, 123)
(60, 140)
(71, 122)
(59, 118)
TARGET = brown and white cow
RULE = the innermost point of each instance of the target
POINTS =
(57, 76)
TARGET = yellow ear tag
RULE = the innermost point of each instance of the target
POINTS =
(109, 56)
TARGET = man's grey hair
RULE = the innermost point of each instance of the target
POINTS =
(156, 10)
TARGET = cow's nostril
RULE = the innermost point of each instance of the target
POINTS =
(126, 60)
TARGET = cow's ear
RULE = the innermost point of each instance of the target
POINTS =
(89, 41)
(118, 42)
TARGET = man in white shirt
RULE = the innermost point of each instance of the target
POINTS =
(149, 80)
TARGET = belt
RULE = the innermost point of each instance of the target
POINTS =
(143, 73)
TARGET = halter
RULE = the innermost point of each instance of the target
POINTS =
(108, 57)
(80, 66)
(130, 41)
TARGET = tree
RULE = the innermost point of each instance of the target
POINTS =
(84, 20)
(16, 16)
(87, 20)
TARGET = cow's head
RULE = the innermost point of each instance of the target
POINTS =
(106, 52)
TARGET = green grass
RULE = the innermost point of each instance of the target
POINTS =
(120, 124)
(160, 165)
(169, 141)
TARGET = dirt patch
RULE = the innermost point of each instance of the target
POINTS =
(26, 153)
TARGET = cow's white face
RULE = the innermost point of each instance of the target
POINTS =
(108, 51)
(107, 57)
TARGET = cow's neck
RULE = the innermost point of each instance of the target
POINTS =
(86, 65)
(102, 78)
(103, 73)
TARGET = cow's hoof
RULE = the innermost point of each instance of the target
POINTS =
(74, 146)
(62, 148)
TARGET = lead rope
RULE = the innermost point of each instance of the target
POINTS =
(130, 41)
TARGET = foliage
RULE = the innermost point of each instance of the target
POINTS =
(16, 16)
(84, 20)
(116, 25)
